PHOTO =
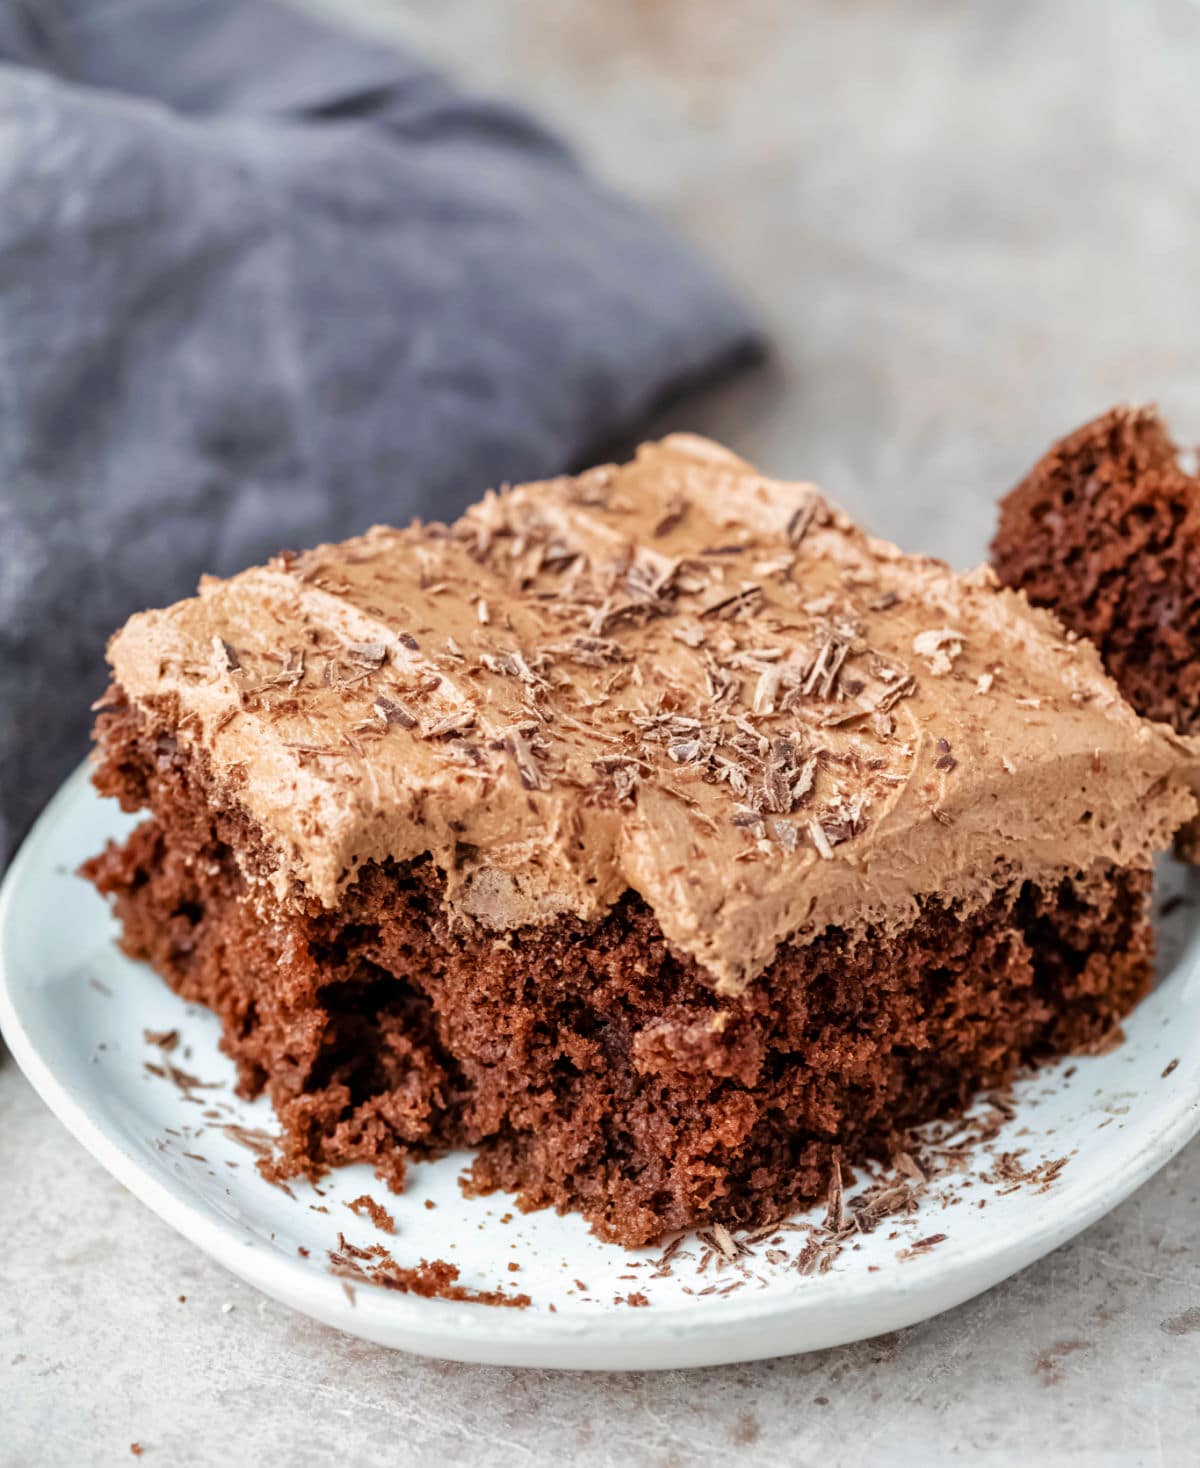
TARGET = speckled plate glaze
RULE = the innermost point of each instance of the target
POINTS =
(74, 1012)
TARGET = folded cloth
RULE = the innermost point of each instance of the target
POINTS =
(262, 284)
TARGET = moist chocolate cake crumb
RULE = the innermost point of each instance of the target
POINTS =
(435, 1279)
(165, 1039)
(1105, 532)
(367, 1207)
(583, 1062)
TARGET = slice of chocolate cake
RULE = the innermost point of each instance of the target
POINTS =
(656, 833)
(1105, 530)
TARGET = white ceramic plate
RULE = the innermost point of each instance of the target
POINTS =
(74, 1010)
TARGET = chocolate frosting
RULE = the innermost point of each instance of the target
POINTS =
(675, 676)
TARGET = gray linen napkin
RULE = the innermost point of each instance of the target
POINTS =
(262, 284)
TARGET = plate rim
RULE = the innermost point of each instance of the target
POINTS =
(565, 1339)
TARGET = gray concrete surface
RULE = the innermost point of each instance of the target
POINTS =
(968, 227)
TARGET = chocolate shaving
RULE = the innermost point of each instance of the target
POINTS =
(254, 1139)
(532, 776)
(922, 1246)
(370, 653)
(767, 690)
(835, 1212)
(902, 689)
(591, 652)
(826, 666)
(820, 840)
(455, 723)
(673, 513)
(803, 517)
(731, 606)
(392, 712)
(803, 783)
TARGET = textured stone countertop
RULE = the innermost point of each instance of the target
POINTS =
(968, 228)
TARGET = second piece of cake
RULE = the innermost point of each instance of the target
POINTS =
(1105, 531)
(656, 832)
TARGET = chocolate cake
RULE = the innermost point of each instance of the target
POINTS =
(1105, 530)
(655, 833)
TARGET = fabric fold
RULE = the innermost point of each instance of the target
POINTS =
(262, 284)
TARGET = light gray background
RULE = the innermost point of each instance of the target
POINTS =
(968, 227)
